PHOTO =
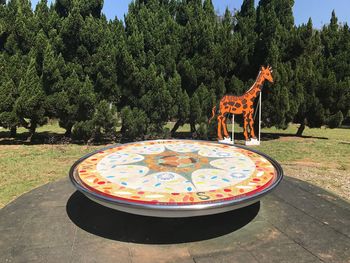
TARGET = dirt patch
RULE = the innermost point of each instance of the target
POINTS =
(306, 162)
(290, 138)
(331, 179)
(10, 147)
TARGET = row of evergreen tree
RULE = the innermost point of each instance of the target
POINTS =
(170, 60)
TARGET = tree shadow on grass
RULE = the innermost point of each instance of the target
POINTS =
(44, 138)
(51, 138)
(265, 136)
(21, 138)
(112, 224)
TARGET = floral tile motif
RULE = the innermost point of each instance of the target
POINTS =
(176, 172)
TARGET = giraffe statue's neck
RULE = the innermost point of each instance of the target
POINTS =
(256, 88)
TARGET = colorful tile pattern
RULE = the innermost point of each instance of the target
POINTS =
(175, 172)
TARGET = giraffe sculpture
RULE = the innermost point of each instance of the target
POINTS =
(242, 105)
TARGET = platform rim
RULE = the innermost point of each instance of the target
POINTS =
(205, 208)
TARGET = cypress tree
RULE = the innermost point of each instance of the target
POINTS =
(104, 120)
(75, 103)
(8, 116)
(195, 112)
(245, 26)
(157, 104)
(42, 16)
(21, 27)
(70, 35)
(181, 106)
(166, 53)
(30, 104)
(135, 123)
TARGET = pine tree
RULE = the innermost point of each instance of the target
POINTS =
(104, 120)
(195, 112)
(171, 61)
(8, 116)
(157, 104)
(245, 26)
(275, 46)
(308, 78)
(104, 74)
(70, 35)
(62, 7)
(135, 123)
(42, 15)
(181, 104)
(21, 27)
(30, 104)
(336, 120)
(52, 69)
(75, 103)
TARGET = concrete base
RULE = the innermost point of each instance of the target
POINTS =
(227, 141)
(252, 142)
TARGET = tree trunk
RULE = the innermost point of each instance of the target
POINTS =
(193, 130)
(176, 126)
(301, 129)
(13, 131)
(122, 130)
(68, 132)
(193, 127)
(24, 123)
(31, 132)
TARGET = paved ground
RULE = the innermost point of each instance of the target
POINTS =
(296, 223)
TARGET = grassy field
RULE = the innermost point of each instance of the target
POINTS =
(321, 157)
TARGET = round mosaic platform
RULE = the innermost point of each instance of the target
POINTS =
(175, 178)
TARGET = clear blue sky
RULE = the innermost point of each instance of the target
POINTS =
(318, 10)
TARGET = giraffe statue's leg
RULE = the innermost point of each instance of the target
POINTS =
(224, 125)
(245, 126)
(219, 126)
(251, 125)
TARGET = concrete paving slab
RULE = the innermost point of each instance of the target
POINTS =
(296, 223)
(103, 251)
(234, 256)
(47, 232)
(9, 238)
(164, 253)
(317, 207)
(40, 255)
(336, 200)
(272, 250)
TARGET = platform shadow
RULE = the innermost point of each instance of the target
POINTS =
(112, 224)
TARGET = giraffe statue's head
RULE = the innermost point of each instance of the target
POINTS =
(266, 73)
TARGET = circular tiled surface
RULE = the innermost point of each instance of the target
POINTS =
(175, 174)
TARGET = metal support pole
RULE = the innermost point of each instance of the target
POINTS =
(233, 128)
(260, 115)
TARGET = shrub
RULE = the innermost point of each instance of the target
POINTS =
(83, 130)
(335, 120)
(134, 123)
(105, 120)
(202, 131)
(212, 128)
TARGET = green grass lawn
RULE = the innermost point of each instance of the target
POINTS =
(321, 157)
